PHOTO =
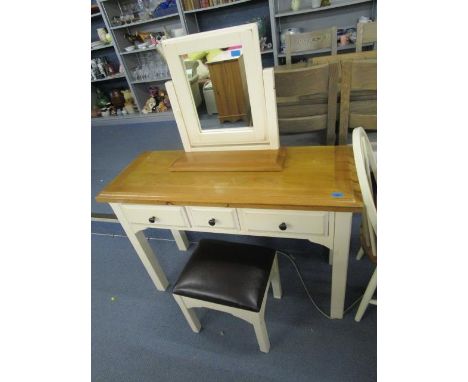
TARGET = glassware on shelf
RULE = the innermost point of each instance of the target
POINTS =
(151, 68)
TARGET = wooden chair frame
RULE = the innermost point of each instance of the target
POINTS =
(366, 32)
(301, 42)
(257, 319)
(313, 90)
(365, 164)
(359, 75)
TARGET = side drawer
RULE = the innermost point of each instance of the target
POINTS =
(157, 216)
(213, 218)
(286, 221)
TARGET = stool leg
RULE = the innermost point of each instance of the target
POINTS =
(367, 296)
(275, 279)
(261, 333)
(189, 314)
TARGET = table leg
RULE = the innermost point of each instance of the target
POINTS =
(181, 239)
(340, 254)
(143, 250)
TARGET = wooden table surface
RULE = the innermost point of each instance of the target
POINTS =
(313, 178)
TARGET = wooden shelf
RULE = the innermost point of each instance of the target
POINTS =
(345, 3)
(118, 75)
(138, 51)
(217, 6)
(102, 47)
(155, 19)
(153, 80)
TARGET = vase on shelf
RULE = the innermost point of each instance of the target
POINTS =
(295, 4)
(117, 99)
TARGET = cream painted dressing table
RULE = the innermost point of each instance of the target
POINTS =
(237, 180)
(312, 198)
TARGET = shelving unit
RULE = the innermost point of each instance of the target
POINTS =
(119, 79)
(340, 13)
(139, 88)
(334, 4)
(137, 51)
(216, 6)
(277, 13)
(117, 76)
(102, 47)
(152, 20)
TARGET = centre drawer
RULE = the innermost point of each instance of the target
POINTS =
(286, 221)
(157, 216)
(213, 218)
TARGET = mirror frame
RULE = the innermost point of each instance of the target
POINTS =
(260, 85)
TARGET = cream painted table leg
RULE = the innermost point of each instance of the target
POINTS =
(340, 255)
(143, 249)
(181, 239)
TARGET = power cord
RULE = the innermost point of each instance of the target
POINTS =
(289, 257)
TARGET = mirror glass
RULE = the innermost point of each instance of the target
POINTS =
(218, 87)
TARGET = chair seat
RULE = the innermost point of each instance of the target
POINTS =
(231, 274)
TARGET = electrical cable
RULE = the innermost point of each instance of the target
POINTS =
(290, 258)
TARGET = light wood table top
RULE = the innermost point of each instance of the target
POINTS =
(314, 178)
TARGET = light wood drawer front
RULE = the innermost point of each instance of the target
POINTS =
(287, 221)
(213, 217)
(158, 216)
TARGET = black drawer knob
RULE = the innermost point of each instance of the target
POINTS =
(212, 222)
(152, 219)
(283, 226)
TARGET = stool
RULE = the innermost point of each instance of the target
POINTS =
(232, 278)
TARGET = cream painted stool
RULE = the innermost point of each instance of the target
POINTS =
(232, 278)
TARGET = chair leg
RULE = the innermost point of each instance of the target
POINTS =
(370, 290)
(275, 279)
(189, 314)
(360, 254)
(261, 333)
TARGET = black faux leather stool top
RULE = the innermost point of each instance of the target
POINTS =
(231, 274)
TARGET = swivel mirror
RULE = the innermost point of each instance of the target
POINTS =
(221, 97)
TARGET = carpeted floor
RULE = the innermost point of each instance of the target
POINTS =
(139, 334)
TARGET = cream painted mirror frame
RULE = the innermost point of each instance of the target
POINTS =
(264, 134)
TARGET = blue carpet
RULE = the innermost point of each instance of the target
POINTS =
(141, 335)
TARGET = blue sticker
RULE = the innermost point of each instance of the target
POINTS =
(337, 194)
(235, 53)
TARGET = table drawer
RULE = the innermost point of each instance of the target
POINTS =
(157, 216)
(287, 221)
(213, 218)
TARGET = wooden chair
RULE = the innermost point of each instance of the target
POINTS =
(301, 42)
(358, 97)
(229, 277)
(340, 58)
(366, 33)
(307, 100)
(366, 167)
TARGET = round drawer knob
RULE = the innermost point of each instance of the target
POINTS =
(212, 222)
(152, 219)
(283, 226)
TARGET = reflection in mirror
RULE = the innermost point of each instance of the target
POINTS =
(219, 88)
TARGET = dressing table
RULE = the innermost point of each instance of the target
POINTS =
(308, 193)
